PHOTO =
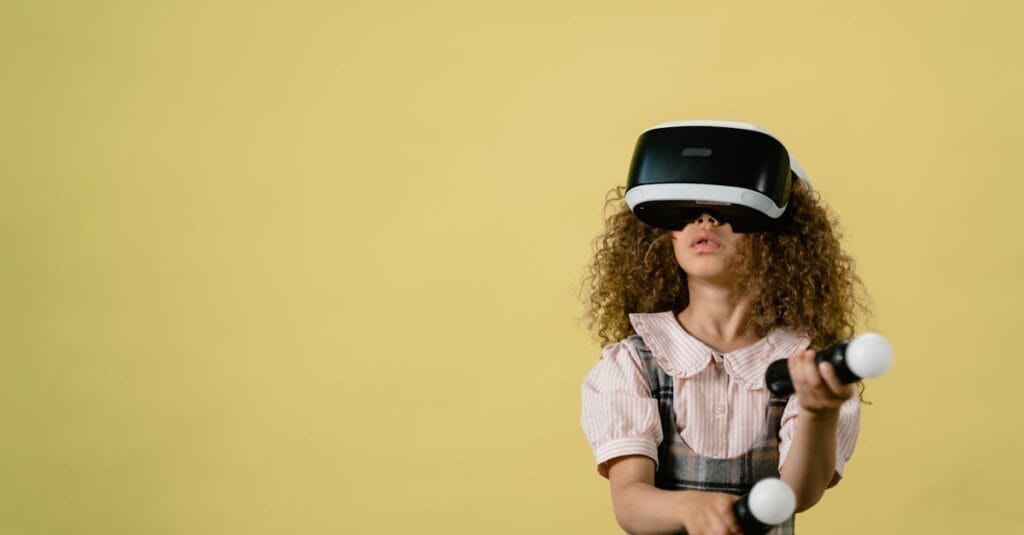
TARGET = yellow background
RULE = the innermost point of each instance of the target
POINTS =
(313, 268)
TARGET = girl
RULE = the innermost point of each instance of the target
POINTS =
(676, 411)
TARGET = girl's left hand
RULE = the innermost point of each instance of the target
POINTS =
(817, 385)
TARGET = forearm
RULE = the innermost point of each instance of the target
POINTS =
(811, 462)
(641, 508)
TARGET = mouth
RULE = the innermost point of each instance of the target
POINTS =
(705, 241)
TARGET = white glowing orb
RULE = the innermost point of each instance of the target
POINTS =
(771, 501)
(869, 355)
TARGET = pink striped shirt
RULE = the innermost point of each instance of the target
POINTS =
(720, 399)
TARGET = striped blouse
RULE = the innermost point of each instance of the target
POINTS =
(720, 398)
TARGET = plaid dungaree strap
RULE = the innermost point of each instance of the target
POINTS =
(679, 467)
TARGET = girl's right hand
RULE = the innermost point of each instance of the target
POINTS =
(709, 513)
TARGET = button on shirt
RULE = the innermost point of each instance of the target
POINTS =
(720, 398)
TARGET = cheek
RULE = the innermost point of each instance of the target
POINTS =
(677, 247)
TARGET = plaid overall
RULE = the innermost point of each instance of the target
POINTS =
(679, 467)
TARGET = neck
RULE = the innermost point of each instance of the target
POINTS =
(718, 316)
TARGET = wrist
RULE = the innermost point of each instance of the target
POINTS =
(684, 507)
(690, 504)
(819, 415)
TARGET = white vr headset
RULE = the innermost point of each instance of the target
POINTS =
(738, 172)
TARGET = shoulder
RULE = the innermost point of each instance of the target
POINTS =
(623, 367)
(631, 351)
(785, 343)
(636, 343)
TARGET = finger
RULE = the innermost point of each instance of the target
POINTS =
(730, 520)
(828, 373)
(840, 390)
(811, 376)
(714, 522)
(796, 372)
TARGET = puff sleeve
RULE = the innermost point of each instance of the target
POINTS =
(620, 417)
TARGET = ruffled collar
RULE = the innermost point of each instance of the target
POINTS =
(680, 354)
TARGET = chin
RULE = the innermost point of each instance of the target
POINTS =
(699, 274)
(708, 269)
(707, 265)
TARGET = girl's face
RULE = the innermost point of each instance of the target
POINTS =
(707, 248)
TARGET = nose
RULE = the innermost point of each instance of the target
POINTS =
(706, 217)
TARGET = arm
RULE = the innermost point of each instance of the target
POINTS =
(810, 466)
(621, 421)
(641, 508)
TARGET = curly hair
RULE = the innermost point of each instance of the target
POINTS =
(800, 279)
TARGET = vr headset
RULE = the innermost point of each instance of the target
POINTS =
(738, 172)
